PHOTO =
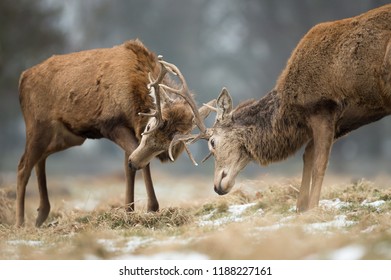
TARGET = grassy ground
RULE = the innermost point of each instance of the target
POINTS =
(257, 220)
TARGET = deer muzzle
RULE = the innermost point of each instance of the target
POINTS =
(133, 166)
(219, 191)
(223, 183)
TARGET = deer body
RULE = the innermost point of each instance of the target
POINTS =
(90, 94)
(337, 79)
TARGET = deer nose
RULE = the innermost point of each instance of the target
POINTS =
(132, 166)
(219, 190)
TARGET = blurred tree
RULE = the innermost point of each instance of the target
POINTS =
(27, 33)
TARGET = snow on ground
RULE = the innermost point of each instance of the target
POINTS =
(350, 252)
(32, 243)
(339, 222)
(236, 212)
(375, 204)
(333, 204)
(166, 256)
(127, 247)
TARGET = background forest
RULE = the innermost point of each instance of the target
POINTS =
(242, 45)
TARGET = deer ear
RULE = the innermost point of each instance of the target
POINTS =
(224, 105)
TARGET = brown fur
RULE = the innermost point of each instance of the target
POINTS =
(336, 80)
(89, 94)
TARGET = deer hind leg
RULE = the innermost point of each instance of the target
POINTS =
(323, 135)
(25, 166)
(308, 160)
(46, 141)
(153, 204)
(33, 153)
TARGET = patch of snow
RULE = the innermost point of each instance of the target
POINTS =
(280, 224)
(235, 210)
(173, 240)
(108, 244)
(166, 256)
(369, 229)
(219, 222)
(376, 204)
(33, 243)
(287, 219)
(333, 204)
(338, 222)
(326, 204)
(239, 209)
(135, 243)
(130, 246)
(350, 252)
(272, 227)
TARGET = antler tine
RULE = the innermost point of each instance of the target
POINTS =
(184, 92)
(190, 139)
(186, 139)
(207, 157)
(182, 138)
(154, 89)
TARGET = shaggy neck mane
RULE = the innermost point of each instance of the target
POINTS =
(271, 132)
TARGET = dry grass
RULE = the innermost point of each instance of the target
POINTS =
(6, 206)
(255, 221)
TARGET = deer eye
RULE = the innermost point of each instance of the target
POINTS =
(212, 143)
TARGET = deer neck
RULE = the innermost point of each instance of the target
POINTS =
(273, 132)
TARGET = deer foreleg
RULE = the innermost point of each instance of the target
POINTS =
(323, 135)
(128, 141)
(308, 160)
(153, 204)
(130, 178)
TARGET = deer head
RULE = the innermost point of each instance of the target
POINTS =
(169, 128)
(225, 143)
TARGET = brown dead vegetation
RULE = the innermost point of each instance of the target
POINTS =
(268, 228)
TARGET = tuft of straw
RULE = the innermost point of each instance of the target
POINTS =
(7, 211)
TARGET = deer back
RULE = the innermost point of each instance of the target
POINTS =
(90, 91)
(342, 61)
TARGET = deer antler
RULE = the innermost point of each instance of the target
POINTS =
(157, 88)
(184, 93)
(154, 91)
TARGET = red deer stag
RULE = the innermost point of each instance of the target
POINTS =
(337, 79)
(99, 93)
